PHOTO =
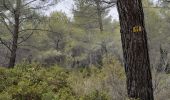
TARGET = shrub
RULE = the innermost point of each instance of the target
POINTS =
(96, 95)
(33, 82)
(92, 82)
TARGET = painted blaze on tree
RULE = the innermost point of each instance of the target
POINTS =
(135, 49)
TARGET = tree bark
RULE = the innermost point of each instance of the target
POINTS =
(135, 49)
(12, 58)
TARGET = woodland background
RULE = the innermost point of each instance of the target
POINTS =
(59, 58)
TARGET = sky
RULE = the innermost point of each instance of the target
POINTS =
(67, 5)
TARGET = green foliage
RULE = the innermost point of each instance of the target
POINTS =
(96, 95)
(27, 81)
(34, 82)
(104, 83)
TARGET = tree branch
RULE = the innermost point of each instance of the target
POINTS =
(7, 26)
(5, 44)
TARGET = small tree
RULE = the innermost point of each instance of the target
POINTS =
(93, 11)
(14, 15)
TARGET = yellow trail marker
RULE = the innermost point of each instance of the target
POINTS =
(137, 29)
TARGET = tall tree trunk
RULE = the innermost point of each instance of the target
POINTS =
(99, 14)
(12, 59)
(135, 49)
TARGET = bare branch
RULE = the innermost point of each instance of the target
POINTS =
(36, 30)
(41, 7)
(5, 23)
(6, 6)
(29, 3)
(33, 30)
(109, 2)
(112, 5)
(5, 44)
(5, 17)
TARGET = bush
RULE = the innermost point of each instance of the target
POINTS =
(96, 95)
(92, 82)
(33, 82)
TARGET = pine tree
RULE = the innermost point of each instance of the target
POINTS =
(135, 49)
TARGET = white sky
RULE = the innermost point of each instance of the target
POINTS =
(67, 5)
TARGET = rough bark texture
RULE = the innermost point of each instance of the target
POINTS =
(135, 49)
(15, 35)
